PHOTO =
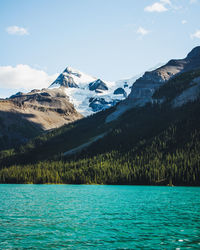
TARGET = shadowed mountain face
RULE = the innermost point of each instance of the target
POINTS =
(16, 128)
(71, 78)
(155, 144)
(98, 85)
(144, 87)
(65, 81)
(25, 115)
(194, 54)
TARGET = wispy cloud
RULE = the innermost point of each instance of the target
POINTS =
(142, 31)
(193, 1)
(16, 30)
(166, 2)
(195, 34)
(24, 76)
(183, 21)
(160, 6)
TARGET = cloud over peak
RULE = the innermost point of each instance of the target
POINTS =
(16, 30)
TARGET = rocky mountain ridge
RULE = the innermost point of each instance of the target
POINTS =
(143, 89)
(74, 94)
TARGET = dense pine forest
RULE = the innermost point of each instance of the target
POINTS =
(152, 145)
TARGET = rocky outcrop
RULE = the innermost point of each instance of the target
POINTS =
(18, 94)
(125, 85)
(120, 91)
(71, 78)
(98, 85)
(189, 95)
(65, 80)
(144, 88)
(99, 103)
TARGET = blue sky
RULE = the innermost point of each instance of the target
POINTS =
(110, 39)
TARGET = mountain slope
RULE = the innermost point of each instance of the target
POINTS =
(151, 155)
(24, 116)
(157, 143)
(154, 144)
(144, 87)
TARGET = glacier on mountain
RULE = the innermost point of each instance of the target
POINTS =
(90, 94)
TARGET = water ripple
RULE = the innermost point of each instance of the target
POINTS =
(99, 217)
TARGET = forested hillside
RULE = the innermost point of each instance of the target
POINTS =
(153, 145)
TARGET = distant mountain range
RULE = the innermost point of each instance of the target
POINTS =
(75, 94)
(152, 137)
(70, 97)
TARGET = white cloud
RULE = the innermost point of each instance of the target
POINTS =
(183, 21)
(166, 2)
(195, 34)
(23, 76)
(193, 1)
(158, 6)
(142, 31)
(16, 30)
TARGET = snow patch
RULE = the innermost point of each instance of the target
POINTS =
(81, 95)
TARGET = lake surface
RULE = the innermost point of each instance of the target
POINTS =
(99, 217)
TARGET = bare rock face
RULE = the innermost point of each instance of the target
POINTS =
(71, 78)
(99, 103)
(144, 87)
(16, 95)
(98, 85)
(65, 81)
(51, 108)
(26, 115)
(189, 95)
(120, 91)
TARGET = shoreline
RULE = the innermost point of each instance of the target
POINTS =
(97, 184)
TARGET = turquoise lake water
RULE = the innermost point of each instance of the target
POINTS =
(99, 217)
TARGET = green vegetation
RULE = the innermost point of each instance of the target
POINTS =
(51, 144)
(153, 145)
(176, 85)
(15, 133)
(159, 153)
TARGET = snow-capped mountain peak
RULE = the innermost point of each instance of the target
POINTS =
(72, 78)
(90, 94)
(98, 86)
